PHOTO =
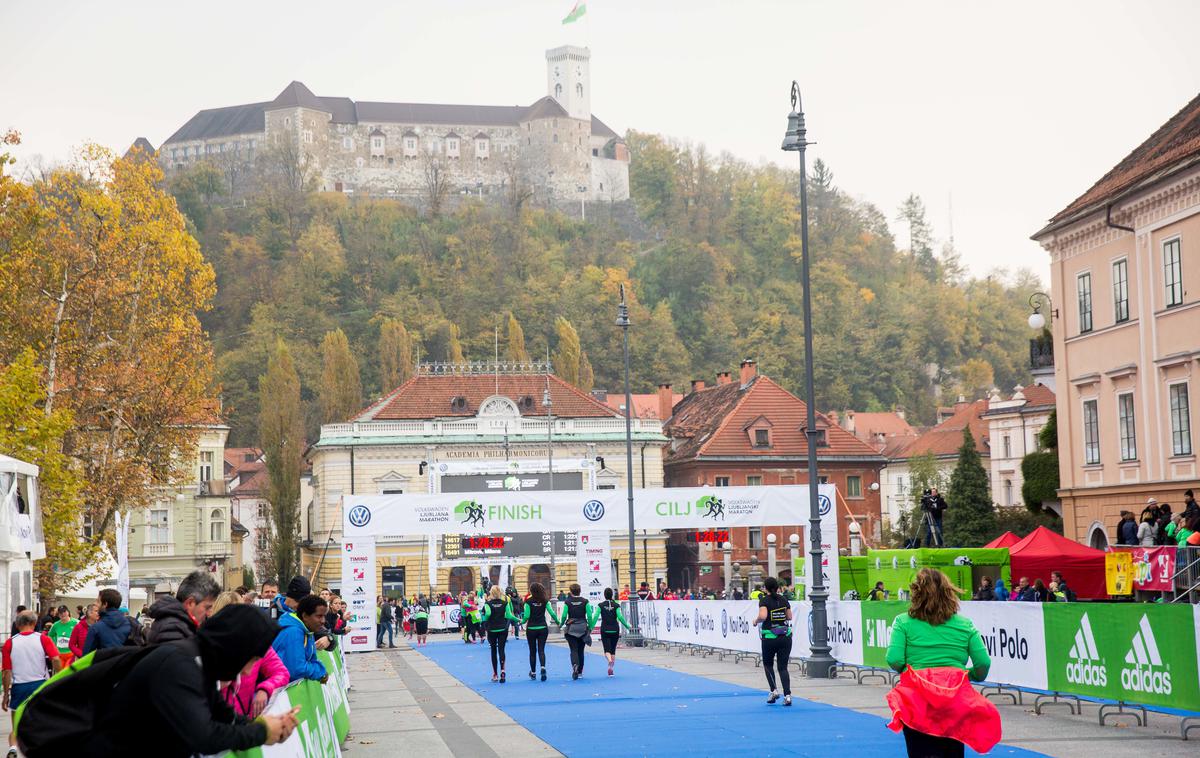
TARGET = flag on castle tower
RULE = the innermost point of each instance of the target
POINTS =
(579, 9)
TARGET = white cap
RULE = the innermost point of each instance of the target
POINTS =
(1150, 500)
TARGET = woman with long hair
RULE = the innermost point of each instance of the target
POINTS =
(536, 631)
(774, 620)
(580, 617)
(611, 621)
(934, 703)
(496, 614)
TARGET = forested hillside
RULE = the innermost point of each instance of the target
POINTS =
(712, 259)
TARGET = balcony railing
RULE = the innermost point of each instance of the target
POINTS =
(522, 426)
(158, 550)
(213, 488)
(214, 549)
(1041, 353)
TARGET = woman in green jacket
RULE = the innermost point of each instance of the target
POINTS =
(934, 702)
(611, 621)
(537, 605)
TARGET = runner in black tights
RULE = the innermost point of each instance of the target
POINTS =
(611, 621)
(496, 614)
(577, 626)
(774, 621)
(534, 616)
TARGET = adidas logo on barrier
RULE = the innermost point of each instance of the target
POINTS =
(1148, 672)
(1084, 657)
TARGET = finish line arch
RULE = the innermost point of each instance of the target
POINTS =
(368, 517)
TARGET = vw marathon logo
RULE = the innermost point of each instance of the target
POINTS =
(360, 516)
(724, 623)
(1144, 670)
(593, 510)
(824, 504)
(1085, 665)
(475, 514)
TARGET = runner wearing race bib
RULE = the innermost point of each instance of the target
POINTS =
(774, 622)
(60, 634)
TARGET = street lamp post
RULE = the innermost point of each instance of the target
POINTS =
(821, 663)
(727, 549)
(634, 638)
(771, 556)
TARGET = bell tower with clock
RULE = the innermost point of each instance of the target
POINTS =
(568, 80)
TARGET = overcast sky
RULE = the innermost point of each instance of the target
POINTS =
(1011, 110)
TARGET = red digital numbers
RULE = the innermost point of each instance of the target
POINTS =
(713, 535)
(483, 543)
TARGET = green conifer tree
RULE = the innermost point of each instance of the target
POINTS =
(970, 520)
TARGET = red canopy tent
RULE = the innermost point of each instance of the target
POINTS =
(1044, 551)
(1008, 539)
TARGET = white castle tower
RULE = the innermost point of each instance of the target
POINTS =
(568, 80)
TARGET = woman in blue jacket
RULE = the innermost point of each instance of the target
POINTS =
(295, 644)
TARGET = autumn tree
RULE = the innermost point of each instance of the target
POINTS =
(341, 387)
(99, 275)
(26, 432)
(395, 354)
(567, 354)
(281, 430)
(514, 345)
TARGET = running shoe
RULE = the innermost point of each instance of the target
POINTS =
(610, 669)
(574, 673)
(787, 699)
(543, 675)
(502, 678)
(532, 676)
(494, 679)
(774, 696)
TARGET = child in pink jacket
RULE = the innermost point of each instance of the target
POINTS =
(249, 693)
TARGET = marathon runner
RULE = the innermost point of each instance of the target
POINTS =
(534, 616)
(497, 612)
(774, 622)
(610, 632)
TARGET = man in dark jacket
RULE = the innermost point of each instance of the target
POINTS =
(169, 702)
(1127, 529)
(177, 618)
(1190, 507)
(113, 627)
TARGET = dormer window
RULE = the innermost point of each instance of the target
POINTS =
(410, 145)
(759, 432)
(482, 146)
(378, 143)
(762, 437)
(452, 145)
(458, 403)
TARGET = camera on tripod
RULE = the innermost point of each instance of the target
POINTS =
(927, 501)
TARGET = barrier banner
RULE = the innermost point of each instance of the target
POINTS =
(877, 618)
(845, 625)
(335, 693)
(314, 737)
(1135, 653)
(1118, 573)
(1015, 637)
(444, 616)
(593, 564)
(358, 589)
(1153, 567)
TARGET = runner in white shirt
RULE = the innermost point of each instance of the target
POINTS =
(24, 664)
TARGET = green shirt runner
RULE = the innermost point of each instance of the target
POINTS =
(922, 645)
(60, 634)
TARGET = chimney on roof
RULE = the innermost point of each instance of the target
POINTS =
(834, 419)
(697, 385)
(899, 411)
(749, 371)
(960, 403)
(600, 395)
(849, 425)
(665, 404)
(723, 377)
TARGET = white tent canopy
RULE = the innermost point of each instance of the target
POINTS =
(106, 569)
(16, 466)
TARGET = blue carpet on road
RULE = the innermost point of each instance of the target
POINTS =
(651, 711)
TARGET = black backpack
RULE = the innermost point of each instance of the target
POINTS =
(60, 715)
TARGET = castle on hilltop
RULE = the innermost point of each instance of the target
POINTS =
(554, 150)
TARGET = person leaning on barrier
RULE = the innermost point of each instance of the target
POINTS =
(295, 644)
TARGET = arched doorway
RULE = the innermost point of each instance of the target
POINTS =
(462, 579)
(1097, 536)
(540, 573)
(785, 577)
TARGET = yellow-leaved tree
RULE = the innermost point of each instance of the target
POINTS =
(100, 277)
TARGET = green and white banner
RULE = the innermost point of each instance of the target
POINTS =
(335, 692)
(318, 735)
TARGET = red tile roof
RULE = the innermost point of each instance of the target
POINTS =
(947, 437)
(715, 421)
(429, 397)
(645, 405)
(1175, 144)
(1038, 394)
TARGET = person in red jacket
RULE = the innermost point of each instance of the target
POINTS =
(79, 633)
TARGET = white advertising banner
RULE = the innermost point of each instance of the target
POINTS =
(726, 624)
(593, 564)
(574, 510)
(1015, 637)
(358, 590)
(829, 544)
(443, 617)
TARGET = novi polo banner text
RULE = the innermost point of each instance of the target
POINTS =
(570, 511)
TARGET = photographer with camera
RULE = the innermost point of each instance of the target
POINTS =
(933, 507)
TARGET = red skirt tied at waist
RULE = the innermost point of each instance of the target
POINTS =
(941, 702)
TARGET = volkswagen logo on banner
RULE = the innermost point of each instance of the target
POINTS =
(823, 504)
(593, 510)
(724, 623)
(360, 516)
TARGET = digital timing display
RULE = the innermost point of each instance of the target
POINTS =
(482, 543)
(713, 535)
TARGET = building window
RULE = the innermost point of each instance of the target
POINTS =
(1172, 272)
(159, 525)
(347, 143)
(1008, 492)
(451, 148)
(1121, 290)
(721, 481)
(754, 481)
(1007, 446)
(481, 148)
(264, 509)
(762, 437)
(579, 90)
(854, 486)
(1125, 426)
(823, 479)
(1083, 286)
(216, 525)
(308, 136)
(1091, 433)
(1181, 422)
(756, 541)
(206, 465)
(262, 541)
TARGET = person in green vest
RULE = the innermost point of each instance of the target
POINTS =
(60, 634)
(497, 612)
(537, 605)
(610, 617)
(757, 593)
(421, 621)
